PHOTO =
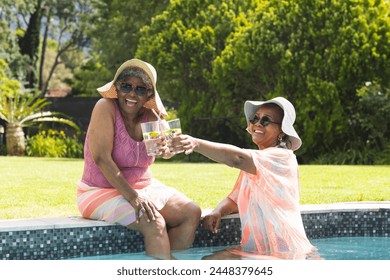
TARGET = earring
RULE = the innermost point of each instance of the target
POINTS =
(281, 142)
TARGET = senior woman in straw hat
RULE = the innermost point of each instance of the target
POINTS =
(266, 193)
(117, 185)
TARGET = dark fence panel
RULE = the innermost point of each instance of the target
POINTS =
(78, 108)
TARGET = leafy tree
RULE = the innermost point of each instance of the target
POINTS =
(182, 43)
(59, 20)
(67, 30)
(369, 126)
(64, 67)
(88, 77)
(7, 86)
(368, 140)
(9, 48)
(29, 42)
(20, 109)
(317, 54)
(211, 56)
(115, 35)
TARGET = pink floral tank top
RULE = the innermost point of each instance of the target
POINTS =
(129, 155)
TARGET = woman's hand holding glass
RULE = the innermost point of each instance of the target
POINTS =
(184, 142)
(163, 149)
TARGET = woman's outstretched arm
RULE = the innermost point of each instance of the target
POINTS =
(224, 153)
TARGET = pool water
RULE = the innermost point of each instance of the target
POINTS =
(335, 248)
(353, 248)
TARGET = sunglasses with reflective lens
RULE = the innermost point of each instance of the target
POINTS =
(126, 88)
(264, 121)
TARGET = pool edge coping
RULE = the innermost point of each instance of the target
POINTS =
(46, 223)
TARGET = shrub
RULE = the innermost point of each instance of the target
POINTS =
(53, 143)
(362, 156)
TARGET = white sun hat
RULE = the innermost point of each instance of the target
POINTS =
(251, 107)
(155, 103)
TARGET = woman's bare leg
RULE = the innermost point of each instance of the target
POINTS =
(155, 237)
(182, 217)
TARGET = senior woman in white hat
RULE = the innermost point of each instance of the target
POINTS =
(266, 194)
(117, 184)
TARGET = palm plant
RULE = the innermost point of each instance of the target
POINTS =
(24, 109)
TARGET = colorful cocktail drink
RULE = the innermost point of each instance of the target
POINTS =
(174, 128)
(151, 133)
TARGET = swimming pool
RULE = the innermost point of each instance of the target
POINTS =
(334, 248)
(354, 248)
(75, 237)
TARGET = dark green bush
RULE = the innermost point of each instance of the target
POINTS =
(366, 140)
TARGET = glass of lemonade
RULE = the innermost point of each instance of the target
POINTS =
(151, 133)
(174, 128)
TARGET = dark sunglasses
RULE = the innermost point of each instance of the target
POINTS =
(126, 88)
(264, 121)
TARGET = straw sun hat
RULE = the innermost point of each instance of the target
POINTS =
(251, 107)
(109, 90)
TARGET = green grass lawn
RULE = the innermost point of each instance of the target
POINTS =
(46, 187)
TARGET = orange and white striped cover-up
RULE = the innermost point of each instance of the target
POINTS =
(268, 205)
(107, 204)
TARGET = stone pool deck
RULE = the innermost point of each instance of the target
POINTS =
(71, 237)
